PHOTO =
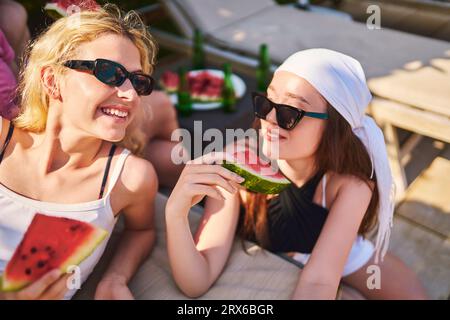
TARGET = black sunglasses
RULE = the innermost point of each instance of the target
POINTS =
(114, 74)
(287, 116)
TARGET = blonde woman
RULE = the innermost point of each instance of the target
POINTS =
(80, 91)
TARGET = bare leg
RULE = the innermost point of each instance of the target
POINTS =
(162, 121)
(161, 117)
(397, 281)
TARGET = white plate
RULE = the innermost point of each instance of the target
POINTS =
(238, 84)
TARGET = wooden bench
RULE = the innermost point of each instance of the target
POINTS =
(416, 99)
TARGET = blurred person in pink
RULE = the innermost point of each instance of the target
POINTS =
(8, 82)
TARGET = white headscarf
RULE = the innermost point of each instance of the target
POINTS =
(341, 81)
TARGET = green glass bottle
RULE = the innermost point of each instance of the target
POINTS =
(198, 54)
(263, 69)
(184, 104)
(228, 94)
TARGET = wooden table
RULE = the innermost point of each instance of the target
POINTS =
(417, 100)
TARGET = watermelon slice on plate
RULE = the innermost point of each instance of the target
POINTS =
(58, 8)
(169, 81)
(259, 175)
(50, 243)
(205, 87)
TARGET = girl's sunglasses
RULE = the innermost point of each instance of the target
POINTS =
(287, 116)
(114, 74)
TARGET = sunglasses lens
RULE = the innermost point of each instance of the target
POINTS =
(142, 84)
(287, 117)
(113, 74)
(110, 73)
(261, 106)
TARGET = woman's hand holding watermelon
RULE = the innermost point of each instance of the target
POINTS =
(202, 177)
(51, 286)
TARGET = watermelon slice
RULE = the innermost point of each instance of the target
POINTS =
(169, 81)
(204, 86)
(50, 243)
(58, 8)
(259, 175)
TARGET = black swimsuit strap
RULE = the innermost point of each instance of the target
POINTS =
(8, 139)
(108, 164)
(105, 175)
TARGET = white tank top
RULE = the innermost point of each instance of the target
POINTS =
(17, 211)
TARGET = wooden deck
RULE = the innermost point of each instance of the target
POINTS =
(422, 220)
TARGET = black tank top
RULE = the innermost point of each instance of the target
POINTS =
(294, 220)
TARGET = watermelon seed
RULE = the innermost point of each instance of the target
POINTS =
(48, 248)
(41, 263)
(24, 257)
(33, 250)
(28, 271)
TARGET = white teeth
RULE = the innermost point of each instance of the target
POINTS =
(115, 112)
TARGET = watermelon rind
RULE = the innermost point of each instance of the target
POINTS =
(55, 11)
(206, 100)
(168, 89)
(255, 182)
(81, 253)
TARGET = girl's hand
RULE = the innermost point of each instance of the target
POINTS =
(51, 286)
(202, 177)
(113, 288)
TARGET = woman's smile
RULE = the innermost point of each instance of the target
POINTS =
(119, 114)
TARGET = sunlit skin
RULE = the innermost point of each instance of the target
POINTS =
(65, 163)
(296, 148)
(82, 89)
(160, 122)
(198, 261)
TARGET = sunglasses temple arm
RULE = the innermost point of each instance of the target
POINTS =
(317, 115)
(81, 65)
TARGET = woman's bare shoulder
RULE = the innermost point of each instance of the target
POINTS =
(138, 174)
(348, 180)
(336, 183)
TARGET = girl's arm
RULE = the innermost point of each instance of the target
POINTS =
(141, 184)
(197, 263)
(321, 276)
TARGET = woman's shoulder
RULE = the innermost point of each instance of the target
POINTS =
(344, 179)
(138, 174)
(340, 183)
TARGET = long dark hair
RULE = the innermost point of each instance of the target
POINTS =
(339, 151)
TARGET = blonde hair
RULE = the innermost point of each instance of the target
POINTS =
(60, 43)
